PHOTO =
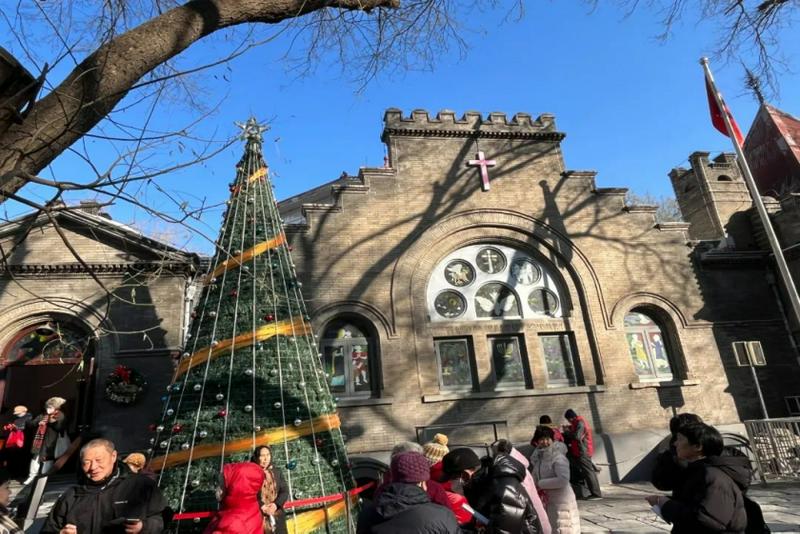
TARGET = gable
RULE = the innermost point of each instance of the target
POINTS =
(36, 241)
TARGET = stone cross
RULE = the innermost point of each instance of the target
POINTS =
(484, 164)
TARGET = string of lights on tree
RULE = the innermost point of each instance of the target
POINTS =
(251, 373)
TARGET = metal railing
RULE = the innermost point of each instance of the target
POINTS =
(776, 444)
(469, 434)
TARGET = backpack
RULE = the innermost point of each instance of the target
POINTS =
(755, 518)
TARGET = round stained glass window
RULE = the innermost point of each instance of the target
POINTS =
(450, 304)
(490, 260)
(459, 273)
(496, 300)
(543, 301)
(525, 272)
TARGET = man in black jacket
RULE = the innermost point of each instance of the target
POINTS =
(708, 497)
(108, 498)
(403, 507)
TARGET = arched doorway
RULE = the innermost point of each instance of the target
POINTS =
(49, 358)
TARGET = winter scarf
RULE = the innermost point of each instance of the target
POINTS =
(38, 439)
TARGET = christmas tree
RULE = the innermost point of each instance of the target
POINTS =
(251, 373)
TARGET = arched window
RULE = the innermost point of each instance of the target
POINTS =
(349, 357)
(49, 342)
(648, 346)
(480, 282)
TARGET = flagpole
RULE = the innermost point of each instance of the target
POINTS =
(777, 251)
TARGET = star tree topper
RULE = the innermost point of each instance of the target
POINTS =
(252, 130)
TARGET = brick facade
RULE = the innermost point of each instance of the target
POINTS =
(365, 247)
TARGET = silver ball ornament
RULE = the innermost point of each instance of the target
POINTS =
(298, 422)
(248, 408)
(277, 405)
(219, 396)
(202, 434)
(185, 446)
(197, 387)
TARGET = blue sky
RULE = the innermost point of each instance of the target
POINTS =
(633, 107)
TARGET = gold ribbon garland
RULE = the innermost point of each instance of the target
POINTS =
(270, 436)
(260, 173)
(311, 520)
(289, 327)
(252, 252)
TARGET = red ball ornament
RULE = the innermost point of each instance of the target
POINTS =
(269, 317)
(234, 293)
(291, 248)
(152, 428)
(222, 413)
(177, 428)
(319, 442)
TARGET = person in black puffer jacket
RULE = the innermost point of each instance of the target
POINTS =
(498, 494)
(403, 507)
(709, 495)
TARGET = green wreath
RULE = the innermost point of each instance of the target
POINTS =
(125, 385)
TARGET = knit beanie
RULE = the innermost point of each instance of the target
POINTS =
(459, 460)
(135, 459)
(436, 449)
(410, 467)
(569, 414)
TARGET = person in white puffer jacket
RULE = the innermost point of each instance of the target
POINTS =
(550, 469)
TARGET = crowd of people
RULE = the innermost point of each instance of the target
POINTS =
(429, 488)
(503, 492)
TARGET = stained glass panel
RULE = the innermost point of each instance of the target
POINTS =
(450, 304)
(459, 273)
(333, 364)
(490, 260)
(558, 360)
(359, 357)
(496, 301)
(641, 363)
(543, 301)
(507, 362)
(525, 272)
(455, 368)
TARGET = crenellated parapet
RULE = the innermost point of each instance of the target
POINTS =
(472, 124)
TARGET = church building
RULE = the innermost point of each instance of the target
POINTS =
(476, 280)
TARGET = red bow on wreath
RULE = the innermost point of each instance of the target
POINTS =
(124, 373)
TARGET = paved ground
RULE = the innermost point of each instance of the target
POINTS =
(623, 509)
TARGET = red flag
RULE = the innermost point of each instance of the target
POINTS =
(716, 115)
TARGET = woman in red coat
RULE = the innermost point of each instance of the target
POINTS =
(240, 512)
